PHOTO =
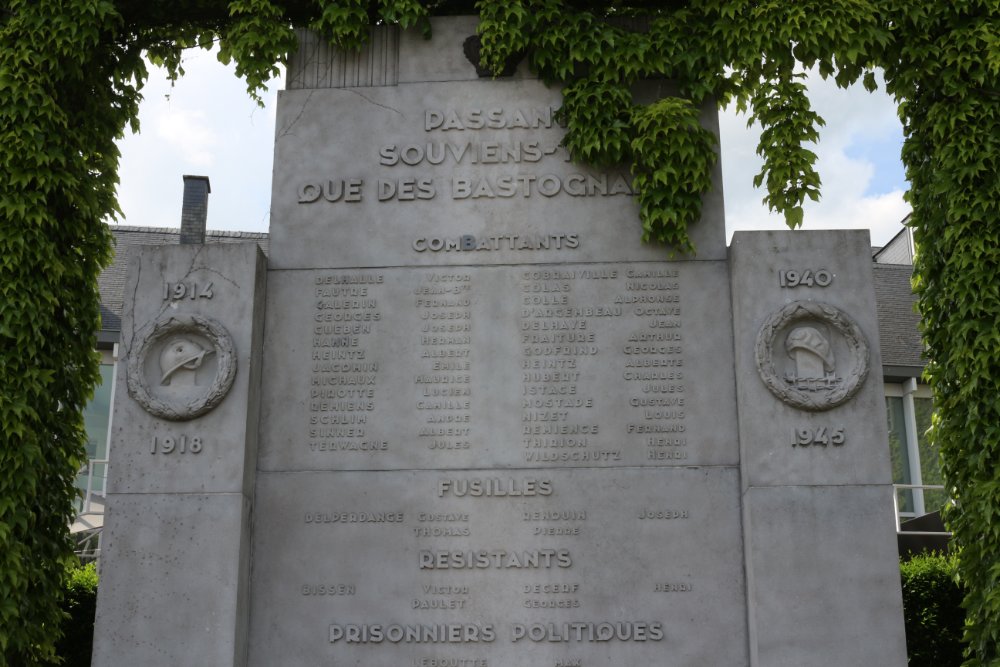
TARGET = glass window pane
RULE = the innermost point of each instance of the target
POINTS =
(97, 414)
(96, 418)
(897, 449)
(930, 465)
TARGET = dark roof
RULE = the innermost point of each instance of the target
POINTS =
(898, 321)
(112, 279)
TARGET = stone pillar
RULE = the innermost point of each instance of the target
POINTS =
(819, 540)
(175, 571)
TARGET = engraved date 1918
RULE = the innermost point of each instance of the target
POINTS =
(820, 436)
(180, 444)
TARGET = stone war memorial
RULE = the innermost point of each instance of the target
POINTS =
(463, 416)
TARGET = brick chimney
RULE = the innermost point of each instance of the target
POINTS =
(194, 210)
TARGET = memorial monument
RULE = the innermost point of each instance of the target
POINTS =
(462, 415)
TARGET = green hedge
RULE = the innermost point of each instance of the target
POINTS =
(80, 603)
(932, 608)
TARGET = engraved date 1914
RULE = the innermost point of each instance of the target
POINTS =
(189, 290)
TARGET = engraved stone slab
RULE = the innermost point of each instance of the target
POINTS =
(449, 173)
(532, 366)
(176, 546)
(822, 567)
(832, 599)
(495, 429)
(173, 581)
(519, 568)
(187, 334)
(817, 287)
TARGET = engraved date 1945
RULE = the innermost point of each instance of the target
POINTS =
(820, 436)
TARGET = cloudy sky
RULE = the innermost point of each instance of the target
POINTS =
(206, 124)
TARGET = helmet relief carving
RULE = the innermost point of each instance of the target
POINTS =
(180, 360)
(812, 355)
(182, 367)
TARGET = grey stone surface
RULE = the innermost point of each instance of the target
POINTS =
(531, 366)
(235, 274)
(176, 547)
(172, 579)
(442, 58)
(390, 57)
(823, 577)
(318, 65)
(530, 339)
(365, 176)
(373, 541)
(494, 429)
(768, 426)
(822, 567)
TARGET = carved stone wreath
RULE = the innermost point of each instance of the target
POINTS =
(182, 408)
(805, 311)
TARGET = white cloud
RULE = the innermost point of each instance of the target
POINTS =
(187, 131)
(205, 124)
(853, 118)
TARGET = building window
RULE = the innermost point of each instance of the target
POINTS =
(914, 460)
(97, 420)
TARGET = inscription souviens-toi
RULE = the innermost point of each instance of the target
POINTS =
(443, 149)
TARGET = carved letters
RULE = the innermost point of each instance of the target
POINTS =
(595, 364)
(442, 148)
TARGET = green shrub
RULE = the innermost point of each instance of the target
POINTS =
(932, 608)
(80, 602)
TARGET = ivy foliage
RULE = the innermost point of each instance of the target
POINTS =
(70, 76)
(948, 82)
(63, 106)
(719, 51)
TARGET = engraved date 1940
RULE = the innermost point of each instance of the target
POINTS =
(804, 278)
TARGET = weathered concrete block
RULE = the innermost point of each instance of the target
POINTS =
(175, 562)
(807, 298)
(194, 315)
(173, 573)
(657, 547)
(606, 365)
(823, 577)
